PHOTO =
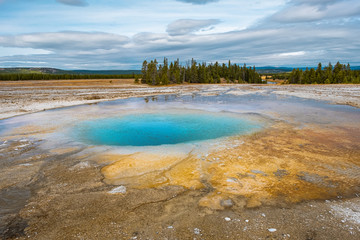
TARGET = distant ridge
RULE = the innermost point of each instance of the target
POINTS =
(33, 70)
(107, 72)
(60, 71)
(271, 69)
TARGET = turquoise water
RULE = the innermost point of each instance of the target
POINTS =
(161, 128)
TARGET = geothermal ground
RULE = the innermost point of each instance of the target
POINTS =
(297, 178)
(23, 97)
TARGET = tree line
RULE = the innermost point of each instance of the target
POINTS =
(44, 76)
(340, 73)
(154, 73)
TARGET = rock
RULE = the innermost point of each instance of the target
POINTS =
(26, 164)
(80, 166)
(227, 203)
(197, 231)
(120, 189)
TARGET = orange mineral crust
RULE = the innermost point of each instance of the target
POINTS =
(278, 165)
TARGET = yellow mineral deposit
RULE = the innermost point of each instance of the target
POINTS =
(278, 165)
(152, 170)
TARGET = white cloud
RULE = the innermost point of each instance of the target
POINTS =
(292, 54)
(186, 26)
(11, 51)
(65, 41)
(298, 45)
(308, 11)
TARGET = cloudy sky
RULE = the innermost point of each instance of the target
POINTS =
(120, 34)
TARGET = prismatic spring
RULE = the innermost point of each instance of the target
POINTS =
(142, 167)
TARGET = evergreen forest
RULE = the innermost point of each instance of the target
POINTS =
(154, 73)
(340, 73)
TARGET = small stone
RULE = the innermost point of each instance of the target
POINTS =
(26, 164)
(246, 220)
(232, 180)
(227, 219)
(120, 189)
(272, 229)
(227, 203)
(197, 231)
(263, 214)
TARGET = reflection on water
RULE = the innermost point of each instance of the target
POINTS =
(288, 108)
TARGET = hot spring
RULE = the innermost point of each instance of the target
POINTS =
(153, 129)
(220, 152)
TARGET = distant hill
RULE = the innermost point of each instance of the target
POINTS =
(33, 70)
(270, 69)
(60, 71)
(107, 72)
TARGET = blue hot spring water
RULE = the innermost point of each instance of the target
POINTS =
(161, 128)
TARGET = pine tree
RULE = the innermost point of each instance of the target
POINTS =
(144, 70)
